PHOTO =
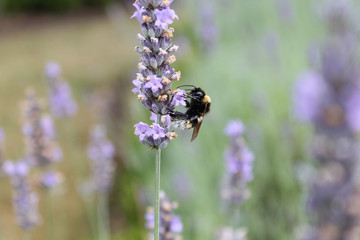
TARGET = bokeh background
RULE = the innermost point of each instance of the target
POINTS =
(245, 54)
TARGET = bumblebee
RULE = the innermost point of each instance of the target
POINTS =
(198, 106)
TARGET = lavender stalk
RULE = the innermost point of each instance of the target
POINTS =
(239, 161)
(42, 150)
(25, 202)
(170, 226)
(154, 80)
(101, 153)
(332, 92)
(61, 102)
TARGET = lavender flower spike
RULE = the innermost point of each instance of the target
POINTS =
(154, 80)
(239, 160)
(2, 138)
(39, 132)
(155, 75)
(101, 153)
(170, 224)
(25, 202)
(60, 98)
(332, 93)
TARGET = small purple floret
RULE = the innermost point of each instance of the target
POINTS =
(50, 179)
(153, 86)
(164, 17)
(13, 169)
(153, 136)
(234, 128)
(138, 13)
(310, 91)
(52, 70)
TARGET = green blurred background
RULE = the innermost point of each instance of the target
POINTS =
(259, 49)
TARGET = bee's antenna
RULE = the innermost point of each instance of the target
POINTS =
(186, 86)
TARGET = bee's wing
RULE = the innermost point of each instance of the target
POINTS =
(197, 127)
(196, 131)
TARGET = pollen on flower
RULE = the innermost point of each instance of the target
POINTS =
(163, 97)
(162, 51)
(146, 49)
(140, 77)
(176, 76)
(140, 37)
(168, 33)
(172, 135)
(146, 19)
(166, 80)
(141, 97)
(141, 66)
(173, 48)
(166, 3)
(171, 59)
(154, 40)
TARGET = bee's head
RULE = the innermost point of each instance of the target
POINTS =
(197, 93)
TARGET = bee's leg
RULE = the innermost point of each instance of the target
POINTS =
(194, 120)
(177, 115)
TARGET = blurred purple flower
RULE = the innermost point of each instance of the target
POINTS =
(52, 70)
(61, 102)
(17, 169)
(101, 152)
(2, 135)
(176, 225)
(2, 139)
(164, 17)
(330, 100)
(234, 129)
(286, 10)
(50, 179)
(310, 92)
(239, 164)
(47, 125)
(39, 132)
(208, 29)
(25, 202)
(170, 224)
(353, 110)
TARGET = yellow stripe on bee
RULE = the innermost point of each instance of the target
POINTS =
(188, 124)
(206, 99)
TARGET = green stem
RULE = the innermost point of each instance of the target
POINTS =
(103, 216)
(235, 214)
(49, 216)
(91, 214)
(157, 188)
